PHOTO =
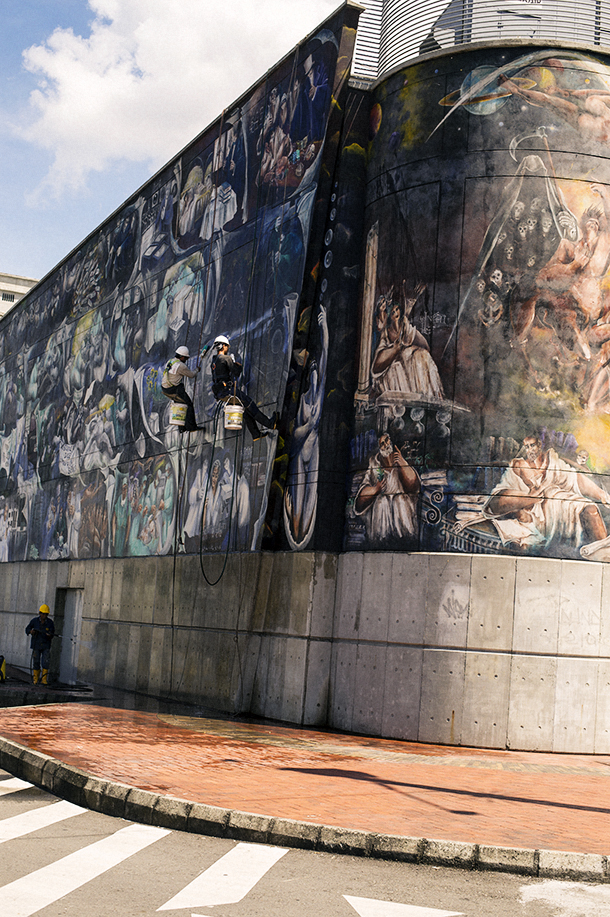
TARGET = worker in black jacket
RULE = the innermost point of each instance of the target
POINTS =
(225, 371)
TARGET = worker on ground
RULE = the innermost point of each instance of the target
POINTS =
(172, 385)
(225, 370)
(42, 630)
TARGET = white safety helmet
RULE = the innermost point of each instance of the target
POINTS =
(182, 352)
(221, 339)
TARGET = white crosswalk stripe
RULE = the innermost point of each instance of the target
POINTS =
(42, 817)
(43, 887)
(12, 785)
(229, 879)
(227, 882)
(371, 907)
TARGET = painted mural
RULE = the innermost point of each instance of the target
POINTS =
(483, 397)
(91, 463)
(312, 455)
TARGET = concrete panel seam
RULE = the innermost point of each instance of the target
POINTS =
(305, 670)
(512, 630)
(489, 651)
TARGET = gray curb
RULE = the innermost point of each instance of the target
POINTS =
(148, 808)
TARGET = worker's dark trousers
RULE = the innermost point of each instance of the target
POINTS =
(178, 393)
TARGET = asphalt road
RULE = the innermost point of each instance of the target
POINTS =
(57, 860)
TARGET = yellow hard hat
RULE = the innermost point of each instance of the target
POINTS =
(44, 610)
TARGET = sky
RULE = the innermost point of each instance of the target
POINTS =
(97, 95)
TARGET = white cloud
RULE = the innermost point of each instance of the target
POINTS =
(149, 77)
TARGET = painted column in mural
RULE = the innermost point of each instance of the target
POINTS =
(483, 405)
(309, 486)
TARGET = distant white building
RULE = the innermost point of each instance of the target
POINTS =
(12, 289)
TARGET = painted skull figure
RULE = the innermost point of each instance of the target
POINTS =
(496, 277)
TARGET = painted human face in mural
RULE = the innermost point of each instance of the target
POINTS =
(533, 449)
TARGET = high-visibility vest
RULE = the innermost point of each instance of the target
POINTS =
(168, 368)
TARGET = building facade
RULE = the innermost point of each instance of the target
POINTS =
(12, 289)
(414, 271)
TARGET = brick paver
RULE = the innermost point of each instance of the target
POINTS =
(501, 798)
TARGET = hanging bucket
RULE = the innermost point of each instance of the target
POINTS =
(234, 414)
(178, 414)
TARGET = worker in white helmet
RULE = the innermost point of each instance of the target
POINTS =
(172, 385)
(225, 370)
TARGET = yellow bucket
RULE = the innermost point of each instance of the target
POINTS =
(234, 416)
(178, 414)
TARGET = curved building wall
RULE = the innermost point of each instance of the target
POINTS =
(483, 400)
(482, 407)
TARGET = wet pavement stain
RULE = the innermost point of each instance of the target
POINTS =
(514, 799)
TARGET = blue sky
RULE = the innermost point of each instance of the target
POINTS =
(96, 95)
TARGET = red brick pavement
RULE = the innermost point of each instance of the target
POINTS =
(500, 798)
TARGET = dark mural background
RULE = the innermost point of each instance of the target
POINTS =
(90, 464)
(483, 396)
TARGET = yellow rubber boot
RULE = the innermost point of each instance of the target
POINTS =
(35, 676)
(43, 680)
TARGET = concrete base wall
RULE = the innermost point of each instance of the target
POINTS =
(442, 648)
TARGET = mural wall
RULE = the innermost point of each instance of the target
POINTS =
(312, 458)
(91, 465)
(483, 397)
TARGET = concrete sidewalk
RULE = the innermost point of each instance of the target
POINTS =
(536, 814)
